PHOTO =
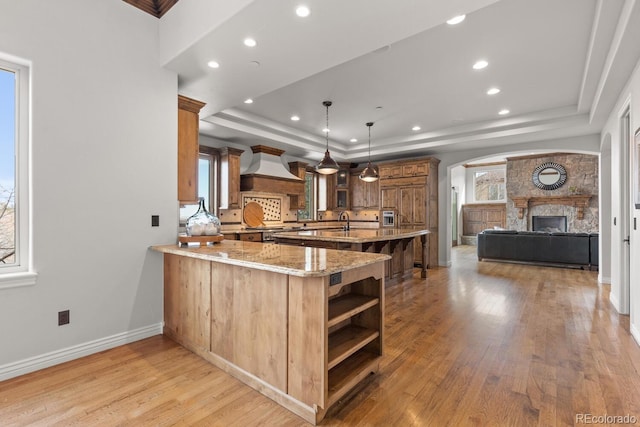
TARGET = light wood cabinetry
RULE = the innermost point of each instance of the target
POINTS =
(411, 187)
(364, 195)
(230, 178)
(352, 327)
(188, 127)
(303, 341)
(479, 217)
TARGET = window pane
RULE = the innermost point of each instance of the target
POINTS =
(307, 212)
(489, 185)
(7, 168)
(204, 180)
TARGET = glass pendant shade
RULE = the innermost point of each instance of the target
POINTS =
(327, 165)
(370, 173)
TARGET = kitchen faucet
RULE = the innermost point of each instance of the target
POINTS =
(346, 227)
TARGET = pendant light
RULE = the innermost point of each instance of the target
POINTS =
(370, 173)
(327, 165)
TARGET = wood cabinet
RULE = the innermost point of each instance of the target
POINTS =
(338, 189)
(364, 195)
(188, 148)
(299, 169)
(389, 197)
(352, 327)
(411, 187)
(479, 217)
(404, 169)
(230, 178)
(412, 206)
(390, 171)
(304, 341)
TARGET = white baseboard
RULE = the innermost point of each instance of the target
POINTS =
(635, 333)
(42, 361)
(604, 280)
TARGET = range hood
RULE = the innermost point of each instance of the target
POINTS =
(267, 174)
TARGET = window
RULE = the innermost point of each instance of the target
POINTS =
(310, 195)
(16, 266)
(208, 162)
(489, 185)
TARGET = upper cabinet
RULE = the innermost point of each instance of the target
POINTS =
(338, 189)
(188, 119)
(364, 195)
(230, 178)
(404, 169)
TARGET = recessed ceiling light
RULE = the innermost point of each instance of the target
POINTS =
(503, 112)
(295, 118)
(456, 20)
(213, 64)
(325, 130)
(250, 42)
(353, 140)
(248, 101)
(493, 91)
(416, 128)
(303, 11)
(479, 65)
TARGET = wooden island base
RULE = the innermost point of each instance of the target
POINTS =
(303, 338)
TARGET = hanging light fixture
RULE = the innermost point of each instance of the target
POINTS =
(370, 173)
(327, 165)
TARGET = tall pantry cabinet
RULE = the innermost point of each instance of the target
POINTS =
(411, 187)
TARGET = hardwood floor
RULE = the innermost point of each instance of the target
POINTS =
(479, 344)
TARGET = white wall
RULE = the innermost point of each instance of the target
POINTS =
(630, 96)
(104, 160)
(458, 175)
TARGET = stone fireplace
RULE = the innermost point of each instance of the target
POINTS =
(577, 199)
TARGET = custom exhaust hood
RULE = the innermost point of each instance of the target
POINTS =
(267, 174)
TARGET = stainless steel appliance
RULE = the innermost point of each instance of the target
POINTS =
(388, 218)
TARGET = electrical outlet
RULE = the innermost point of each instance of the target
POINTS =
(63, 317)
(155, 220)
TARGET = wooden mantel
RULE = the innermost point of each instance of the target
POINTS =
(578, 201)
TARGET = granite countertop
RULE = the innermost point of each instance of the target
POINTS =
(285, 259)
(280, 228)
(357, 235)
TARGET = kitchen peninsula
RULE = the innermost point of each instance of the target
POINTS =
(395, 242)
(301, 325)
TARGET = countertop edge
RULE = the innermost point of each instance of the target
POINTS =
(193, 252)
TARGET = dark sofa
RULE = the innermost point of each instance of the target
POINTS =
(568, 249)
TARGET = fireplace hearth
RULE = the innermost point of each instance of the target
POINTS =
(549, 223)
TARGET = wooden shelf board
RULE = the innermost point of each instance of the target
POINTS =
(346, 306)
(346, 341)
(349, 373)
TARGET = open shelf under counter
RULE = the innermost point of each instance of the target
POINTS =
(349, 373)
(346, 306)
(346, 341)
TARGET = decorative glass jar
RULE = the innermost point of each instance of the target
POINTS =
(203, 223)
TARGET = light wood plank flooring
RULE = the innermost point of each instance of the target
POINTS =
(479, 344)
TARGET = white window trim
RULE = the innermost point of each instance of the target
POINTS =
(471, 183)
(23, 273)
